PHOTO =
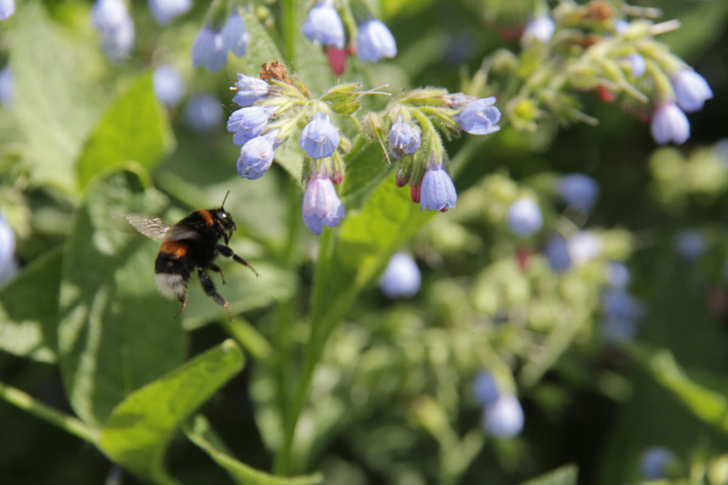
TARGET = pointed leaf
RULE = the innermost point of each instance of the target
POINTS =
(133, 128)
(565, 475)
(140, 428)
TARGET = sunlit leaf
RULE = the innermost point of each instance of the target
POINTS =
(565, 475)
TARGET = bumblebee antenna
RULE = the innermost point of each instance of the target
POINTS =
(222, 206)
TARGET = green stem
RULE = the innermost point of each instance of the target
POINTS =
(288, 25)
(248, 337)
(27, 403)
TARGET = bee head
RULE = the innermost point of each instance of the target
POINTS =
(223, 220)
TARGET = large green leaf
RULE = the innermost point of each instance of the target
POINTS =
(133, 128)
(565, 475)
(140, 428)
(29, 310)
(115, 333)
(58, 94)
(201, 434)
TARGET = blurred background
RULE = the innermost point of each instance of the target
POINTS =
(500, 343)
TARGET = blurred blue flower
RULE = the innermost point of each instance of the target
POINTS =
(617, 303)
(437, 192)
(637, 64)
(321, 204)
(579, 190)
(319, 137)
(7, 87)
(479, 117)
(7, 245)
(402, 277)
(691, 90)
(721, 150)
(584, 246)
(375, 41)
(256, 156)
(7, 9)
(655, 461)
(524, 217)
(234, 35)
(485, 388)
(247, 123)
(621, 26)
(323, 25)
(541, 28)
(690, 244)
(209, 50)
(669, 123)
(249, 90)
(556, 251)
(108, 14)
(203, 112)
(404, 139)
(164, 11)
(618, 274)
(504, 418)
(169, 86)
(117, 43)
(617, 330)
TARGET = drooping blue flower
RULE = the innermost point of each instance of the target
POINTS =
(164, 11)
(249, 90)
(402, 277)
(169, 86)
(256, 156)
(691, 90)
(579, 190)
(209, 50)
(247, 123)
(118, 42)
(437, 192)
(504, 417)
(556, 251)
(7, 9)
(203, 112)
(618, 275)
(584, 246)
(669, 123)
(321, 204)
(375, 41)
(637, 64)
(541, 28)
(479, 117)
(655, 461)
(690, 244)
(235, 36)
(323, 25)
(7, 87)
(404, 139)
(524, 217)
(485, 388)
(108, 14)
(319, 137)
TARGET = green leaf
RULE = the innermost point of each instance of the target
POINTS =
(201, 434)
(140, 428)
(365, 170)
(116, 333)
(29, 310)
(707, 404)
(133, 128)
(58, 94)
(565, 475)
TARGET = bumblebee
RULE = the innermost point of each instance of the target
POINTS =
(191, 244)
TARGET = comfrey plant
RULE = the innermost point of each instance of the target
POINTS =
(410, 130)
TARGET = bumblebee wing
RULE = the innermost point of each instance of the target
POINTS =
(152, 228)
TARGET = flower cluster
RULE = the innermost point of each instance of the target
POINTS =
(372, 40)
(212, 43)
(111, 18)
(502, 412)
(274, 105)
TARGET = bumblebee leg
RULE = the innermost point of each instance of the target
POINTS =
(217, 269)
(184, 305)
(228, 253)
(209, 287)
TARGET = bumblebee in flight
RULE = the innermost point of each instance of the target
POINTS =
(191, 244)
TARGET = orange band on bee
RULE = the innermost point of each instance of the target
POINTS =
(176, 248)
(207, 216)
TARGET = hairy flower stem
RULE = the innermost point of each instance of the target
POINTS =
(289, 30)
(27, 403)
